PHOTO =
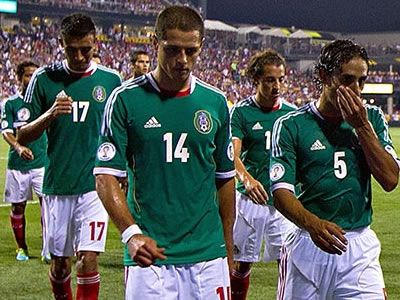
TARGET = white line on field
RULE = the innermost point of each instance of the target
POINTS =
(9, 204)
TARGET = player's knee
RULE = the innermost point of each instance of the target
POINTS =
(18, 208)
(87, 262)
(60, 267)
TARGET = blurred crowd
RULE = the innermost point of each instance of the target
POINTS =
(220, 64)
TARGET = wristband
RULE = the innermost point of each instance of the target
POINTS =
(129, 232)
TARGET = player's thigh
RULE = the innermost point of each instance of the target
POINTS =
(361, 274)
(248, 229)
(37, 176)
(276, 230)
(60, 225)
(17, 187)
(91, 221)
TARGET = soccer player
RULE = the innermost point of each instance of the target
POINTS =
(172, 130)
(140, 61)
(67, 100)
(251, 123)
(25, 167)
(332, 147)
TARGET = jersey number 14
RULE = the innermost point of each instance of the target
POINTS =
(180, 151)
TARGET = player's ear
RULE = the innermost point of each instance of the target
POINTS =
(154, 41)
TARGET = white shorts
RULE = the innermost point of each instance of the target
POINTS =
(255, 223)
(19, 185)
(207, 280)
(307, 272)
(75, 223)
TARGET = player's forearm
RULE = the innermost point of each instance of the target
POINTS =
(382, 165)
(293, 209)
(11, 139)
(226, 196)
(241, 173)
(34, 130)
(114, 201)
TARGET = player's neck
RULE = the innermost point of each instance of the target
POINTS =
(165, 83)
(266, 104)
(327, 109)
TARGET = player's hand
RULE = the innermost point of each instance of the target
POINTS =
(144, 250)
(24, 152)
(255, 190)
(328, 236)
(351, 107)
(61, 106)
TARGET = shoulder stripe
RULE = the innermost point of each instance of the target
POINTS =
(106, 124)
(32, 83)
(208, 86)
(276, 150)
(109, 70)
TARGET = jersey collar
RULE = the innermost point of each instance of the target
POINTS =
(89, 71)
(150, 77)
(277, 106)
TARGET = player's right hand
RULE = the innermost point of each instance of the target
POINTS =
(255, 190)
(144, 250)
(61, 106)
(25, 152)
(328, 236)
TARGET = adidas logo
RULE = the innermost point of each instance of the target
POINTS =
(152, 123)
(317, 146)
(257, 126)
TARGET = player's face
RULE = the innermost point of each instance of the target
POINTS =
(26, 77)
(177, 54)
(271, 84)
(79, 51)
(142, 65)
(353, 74)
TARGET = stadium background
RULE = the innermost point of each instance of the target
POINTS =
(123, 26)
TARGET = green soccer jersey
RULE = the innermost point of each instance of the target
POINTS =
(328, 162)
(253, 127)
(14, 115)
(72, 138)
(175, 148)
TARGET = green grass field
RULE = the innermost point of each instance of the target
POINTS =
(28, 280)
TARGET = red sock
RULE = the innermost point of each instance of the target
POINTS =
(88, 286)
(61, 287)
(240, 285)
(18, 226)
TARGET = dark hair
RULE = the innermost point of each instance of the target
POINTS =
(136, 53)
(334, 55)
(21, 68)
(178, 17)
(77, 25)
(255, 68)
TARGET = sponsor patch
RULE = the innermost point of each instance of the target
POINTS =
(276, 172)
(99, 93)
(23, 114)
(4, 124)
(106, 152)
(202, 121)
(230, 151)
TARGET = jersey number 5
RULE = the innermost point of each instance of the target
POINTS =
(340, 165)
(180, 152)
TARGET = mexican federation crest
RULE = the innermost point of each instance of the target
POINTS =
(202, 121)
(99, 93)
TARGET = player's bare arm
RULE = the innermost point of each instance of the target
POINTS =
(226, 196)
(377, 157)
(143, 249)
(22, 151)
(33, 130)
(328, 236)
(254, 188)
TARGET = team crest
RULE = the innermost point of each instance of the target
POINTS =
(106, 152)
(202, 121)
(99, 93)
(276, 172)
(23, 114)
